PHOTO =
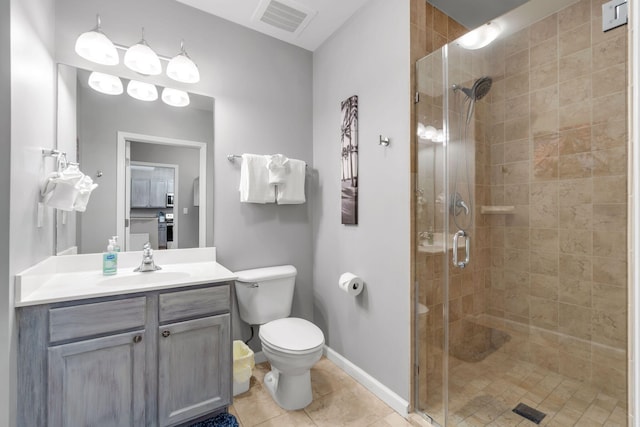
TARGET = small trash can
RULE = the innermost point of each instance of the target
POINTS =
(243, 363)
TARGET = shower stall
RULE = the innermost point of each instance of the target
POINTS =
(520, 224)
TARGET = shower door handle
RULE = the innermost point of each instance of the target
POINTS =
(467, 249)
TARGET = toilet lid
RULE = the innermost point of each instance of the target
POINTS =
(292, 334)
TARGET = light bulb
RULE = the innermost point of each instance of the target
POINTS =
(105, 83)
(96, 47)
(480, 37)
(174, 97)
(142, 59)
(142, 91)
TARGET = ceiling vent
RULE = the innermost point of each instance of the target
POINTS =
(285, 15)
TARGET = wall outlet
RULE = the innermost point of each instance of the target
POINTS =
(185, 211)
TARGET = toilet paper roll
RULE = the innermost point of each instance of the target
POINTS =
(351, 284)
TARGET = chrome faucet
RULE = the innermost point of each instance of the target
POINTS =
(147, 260)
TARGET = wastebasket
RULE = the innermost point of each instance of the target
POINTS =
(243, 363)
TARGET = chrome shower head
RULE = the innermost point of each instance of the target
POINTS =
(479, 90)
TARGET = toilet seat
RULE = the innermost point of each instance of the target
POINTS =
(291, 335)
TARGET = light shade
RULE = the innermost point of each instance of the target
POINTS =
(182, 69)
(142, 91)
(105, 83)
(175, 97)
(142, 59)
(426, 132)
(480, 37)
(96, 47)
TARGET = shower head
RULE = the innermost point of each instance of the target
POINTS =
(479, 89)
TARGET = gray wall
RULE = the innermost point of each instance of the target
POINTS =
(263, 90)
(188, 161)
(5, 193)
(368, 57)
(100, 117)
(33, 87)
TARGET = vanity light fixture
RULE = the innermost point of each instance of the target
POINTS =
(96, 47)
(182, 68)
(480, 37)
(426, 132)
(105, 83)
(175, 97)
(142, 91)
(142, 59)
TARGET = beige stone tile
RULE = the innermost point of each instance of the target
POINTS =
(576, 348)
(575, 192)
(392, 420)
(545, 169)
(609, 52)
(517, 85)
(574, 291)
(517, 42)
(544, 29)
(575, 40)
(545, 75)
(256, 406)
(609, 327)
(610, 271)
(576, 216)
(610, 189)
(575, 65)
(516, 107)
(327, 378)
(495, 134)
(544, 122)
(544, 52)
(289, 419)
(575, 116)
(577, 89)
(609, 298)
(544, 239)
(575, 267)
(575, 321)
(515, 173)
(516, 151)
(609, 217)
(544, 313)
(576, 242)
(544, 287)
(545, 263)
(610, 244)
(609, 135)
(609, 108)
(610, 162)
(545, 146)
(517, 63)
(575, 166)
(610, 80)
(517, 194)
(575, 141)
(577, 14)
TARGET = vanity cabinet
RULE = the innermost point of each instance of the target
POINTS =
(160, 358)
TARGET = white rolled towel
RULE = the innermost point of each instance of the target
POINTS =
(278, 166)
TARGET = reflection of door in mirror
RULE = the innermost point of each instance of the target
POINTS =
(97, 125)
(151, 217)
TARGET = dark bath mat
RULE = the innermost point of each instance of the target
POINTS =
(220, 420)
(529, 413)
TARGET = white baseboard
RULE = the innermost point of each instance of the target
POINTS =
(383, 392)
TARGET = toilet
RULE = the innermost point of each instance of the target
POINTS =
(291, 345)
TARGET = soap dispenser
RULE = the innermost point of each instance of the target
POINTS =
(110, 260)
(116, 246)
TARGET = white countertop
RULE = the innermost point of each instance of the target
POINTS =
(74, 277)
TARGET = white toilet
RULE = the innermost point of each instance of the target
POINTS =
(291, 345)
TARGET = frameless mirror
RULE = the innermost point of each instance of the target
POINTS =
(151, 161)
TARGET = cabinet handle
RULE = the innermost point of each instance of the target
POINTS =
(137, 339)
(166, 333)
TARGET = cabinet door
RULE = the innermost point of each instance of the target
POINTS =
(98, 382)
(139, 193)
(158, 193)
(194, 369)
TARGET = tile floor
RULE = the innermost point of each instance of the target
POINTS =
(338, 400)
(485, 392)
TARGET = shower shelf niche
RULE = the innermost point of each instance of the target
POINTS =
(497, 210)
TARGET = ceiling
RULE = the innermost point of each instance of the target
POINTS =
(330, 16)
(473, 13)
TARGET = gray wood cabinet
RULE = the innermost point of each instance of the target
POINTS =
(140, 193)
(159, 358)
(190, 381)
(98, 382)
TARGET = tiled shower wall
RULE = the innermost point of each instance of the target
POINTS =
(557, 134)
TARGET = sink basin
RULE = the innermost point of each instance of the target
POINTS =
(144, 278)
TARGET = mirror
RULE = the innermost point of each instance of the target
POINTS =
(151, 162)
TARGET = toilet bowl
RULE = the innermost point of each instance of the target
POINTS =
(291, 345)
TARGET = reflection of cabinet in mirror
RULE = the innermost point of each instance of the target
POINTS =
(150, 185)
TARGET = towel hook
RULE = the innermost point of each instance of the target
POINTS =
(384, 141)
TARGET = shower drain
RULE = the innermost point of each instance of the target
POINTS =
(529, 413)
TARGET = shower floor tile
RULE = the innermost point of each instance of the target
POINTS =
(484, 394)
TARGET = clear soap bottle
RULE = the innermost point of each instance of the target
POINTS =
(110, 260)
(116, 246)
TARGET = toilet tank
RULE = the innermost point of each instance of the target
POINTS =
(265, 294)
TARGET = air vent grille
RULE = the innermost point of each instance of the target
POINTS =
(286, 15)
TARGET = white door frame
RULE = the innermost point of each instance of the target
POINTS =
(123, 137)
